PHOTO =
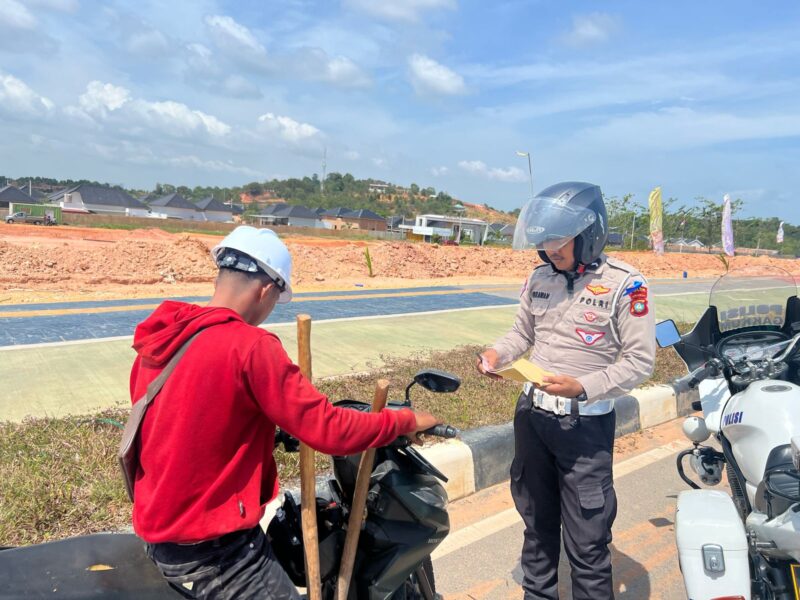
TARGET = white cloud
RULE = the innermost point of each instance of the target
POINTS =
(287, 128)
(18, 100)
(236, 40)
(343, 71)
(430, 77)
(105, 100)
(594, 28)
(399, 10)
(439, 171)
(179, 118)
(380, 162)
(101, 98)
(14, 15)
(352, 155)
(315, 64)
(478, 167)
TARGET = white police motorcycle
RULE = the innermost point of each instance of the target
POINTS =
(744, 357)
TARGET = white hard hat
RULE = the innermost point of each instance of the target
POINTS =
(264, 247)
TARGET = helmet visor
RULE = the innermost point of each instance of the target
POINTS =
(550, 223)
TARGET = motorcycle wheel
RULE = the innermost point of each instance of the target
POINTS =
(411, 590)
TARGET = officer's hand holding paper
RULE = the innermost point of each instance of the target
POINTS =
(523, 371)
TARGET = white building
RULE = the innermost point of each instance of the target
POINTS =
(102, 199)
(458, 229)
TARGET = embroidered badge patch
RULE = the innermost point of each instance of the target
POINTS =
(590, 316)
(590, 337)
(639, 302)
(598, 290)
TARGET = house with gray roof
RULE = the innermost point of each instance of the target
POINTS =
(356, 219)
(214, 210)
(101, 199)
(175, 206)
(11, 193)
(288, 215)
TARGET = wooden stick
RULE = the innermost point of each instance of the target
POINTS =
(308, 487)
(359, 501)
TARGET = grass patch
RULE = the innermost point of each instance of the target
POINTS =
(164, 227)
(59, 477)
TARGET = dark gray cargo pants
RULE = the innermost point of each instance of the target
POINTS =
(561, 477)
(237, 565)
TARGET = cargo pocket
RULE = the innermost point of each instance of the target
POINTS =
(591, 496)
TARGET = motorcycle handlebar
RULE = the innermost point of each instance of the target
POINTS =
(443, 431)
(693, 379)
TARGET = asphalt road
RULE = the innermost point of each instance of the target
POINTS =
(485, 565)
(27, 324)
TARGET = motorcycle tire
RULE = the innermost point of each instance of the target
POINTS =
(411, 590)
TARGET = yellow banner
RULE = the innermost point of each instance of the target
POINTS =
(657, 221)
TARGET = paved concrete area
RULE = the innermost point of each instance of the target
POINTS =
(486, 566)
(82, 377)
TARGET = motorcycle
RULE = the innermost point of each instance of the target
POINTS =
(743, 357)
(406, 519)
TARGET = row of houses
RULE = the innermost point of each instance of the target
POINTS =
(91, 198)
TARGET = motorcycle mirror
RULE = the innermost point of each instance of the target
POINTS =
(667, 334)
(437, 381)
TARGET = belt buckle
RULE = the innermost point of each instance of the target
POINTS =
(561, 403)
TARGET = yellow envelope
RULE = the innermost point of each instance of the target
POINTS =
(523, 370)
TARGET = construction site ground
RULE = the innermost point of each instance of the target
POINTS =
(62, 263)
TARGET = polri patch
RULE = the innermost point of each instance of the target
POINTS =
(639, 306)
(598, 290)
(590, 338)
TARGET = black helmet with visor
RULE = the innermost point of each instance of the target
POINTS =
(561, 212)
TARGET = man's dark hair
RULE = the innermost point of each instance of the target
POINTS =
(245, 276)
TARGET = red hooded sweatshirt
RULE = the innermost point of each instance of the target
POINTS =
(206, 441)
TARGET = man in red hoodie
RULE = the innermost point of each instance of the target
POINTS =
(206, 466)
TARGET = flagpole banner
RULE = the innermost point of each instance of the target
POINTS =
(779, 237)
(727, 226)
(657, 221)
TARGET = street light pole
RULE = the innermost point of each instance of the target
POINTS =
(530, 169)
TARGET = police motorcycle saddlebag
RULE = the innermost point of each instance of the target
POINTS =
(712, 545)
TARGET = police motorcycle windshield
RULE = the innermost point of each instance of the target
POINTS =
(549, 222)
(752, 297)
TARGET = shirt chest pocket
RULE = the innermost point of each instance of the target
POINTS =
(541, 318)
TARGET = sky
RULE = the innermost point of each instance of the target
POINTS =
(701, 98)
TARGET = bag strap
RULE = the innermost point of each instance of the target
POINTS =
(155, 386)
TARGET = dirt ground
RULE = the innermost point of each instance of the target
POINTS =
(40, 264)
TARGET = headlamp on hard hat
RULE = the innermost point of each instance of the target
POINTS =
(238, 261)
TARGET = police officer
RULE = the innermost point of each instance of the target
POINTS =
(586, 318)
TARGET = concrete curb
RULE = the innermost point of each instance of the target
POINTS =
(482, 457)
